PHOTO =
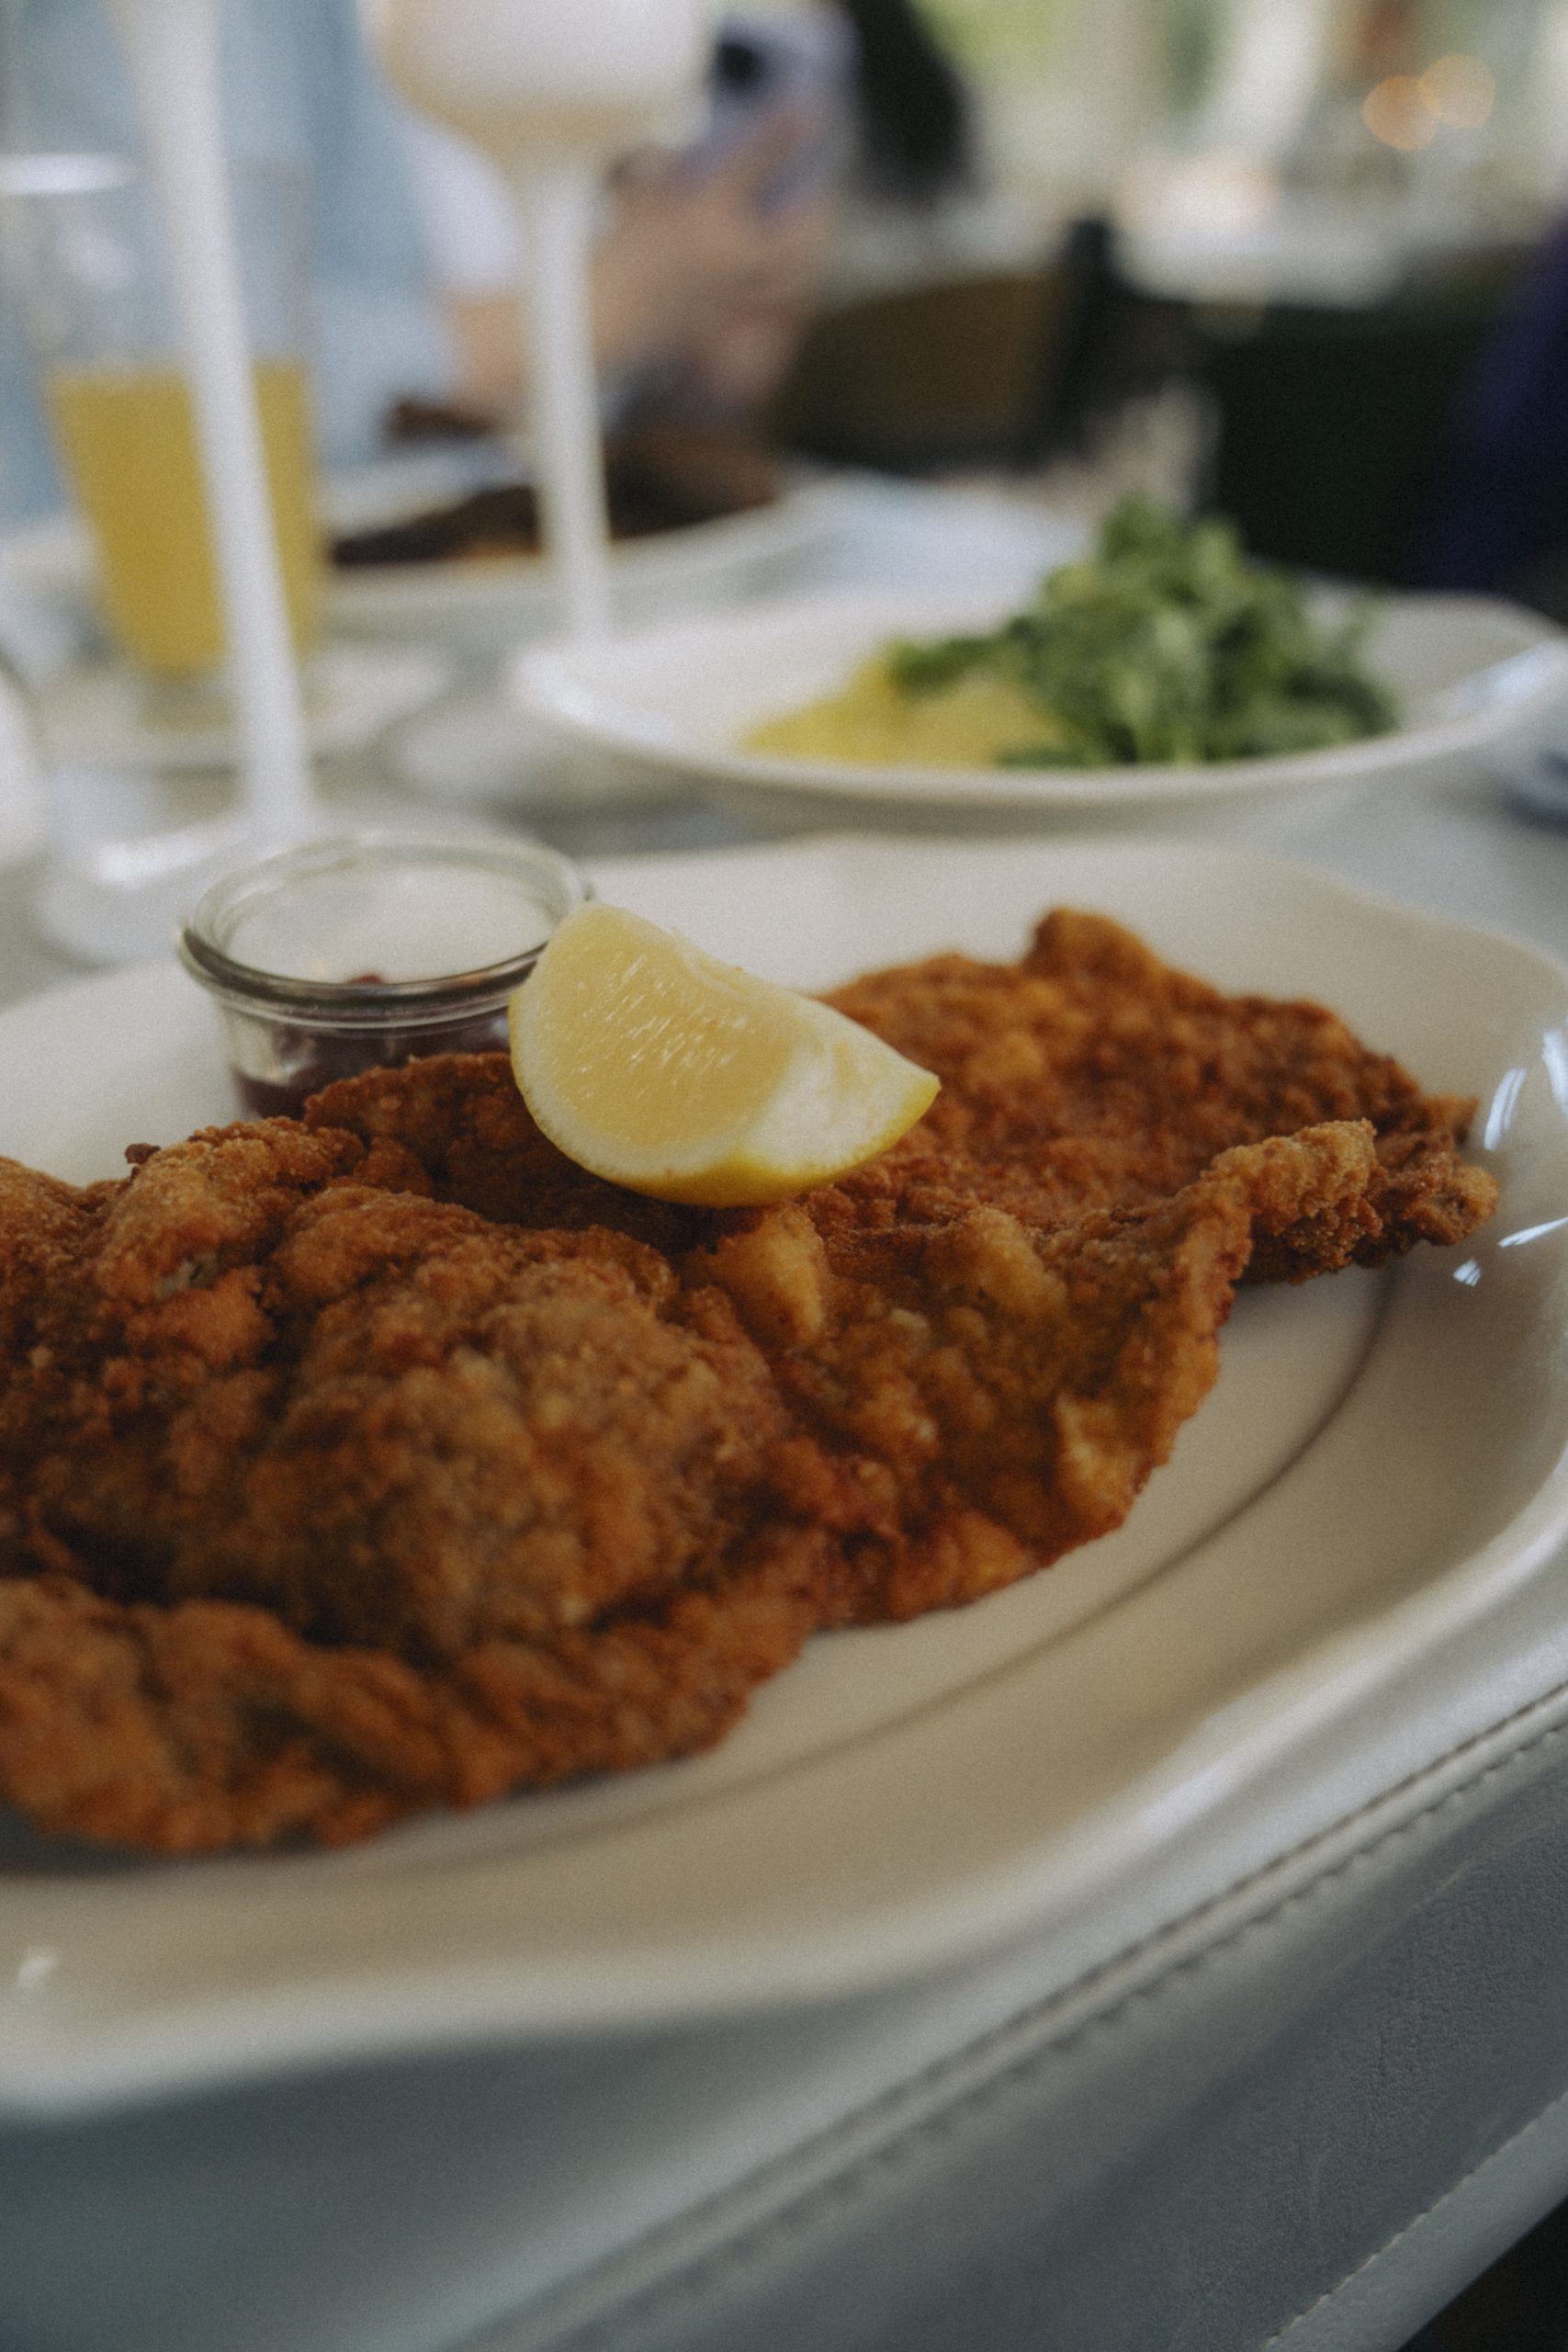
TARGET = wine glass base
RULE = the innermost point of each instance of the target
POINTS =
(123, 900)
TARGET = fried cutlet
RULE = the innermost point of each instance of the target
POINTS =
(387, 1460)
(1091, 1071)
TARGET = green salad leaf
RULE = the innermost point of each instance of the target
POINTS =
(1168, 644)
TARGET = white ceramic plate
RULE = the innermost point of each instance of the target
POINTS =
(1380, 1467)
(496, 599)
(503, 596)
(1467, 672)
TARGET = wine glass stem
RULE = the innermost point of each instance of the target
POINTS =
(555, 203)
(172, 51)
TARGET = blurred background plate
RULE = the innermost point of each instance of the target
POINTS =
(46, 567)
(484, 597)
(1469, 673)
(476, 744)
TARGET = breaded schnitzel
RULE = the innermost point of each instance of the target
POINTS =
(387, 1460)
(1092, 1071)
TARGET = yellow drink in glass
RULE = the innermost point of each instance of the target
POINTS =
(128, 438)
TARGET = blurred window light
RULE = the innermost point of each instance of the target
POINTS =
(1220, 194)
(992, 36)
(1065, 89)
(1542, 145)
(1268, 64)
(1395, 111)
(1459, 90)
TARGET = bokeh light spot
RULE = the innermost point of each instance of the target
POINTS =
(1395, 111)
(1460, 90)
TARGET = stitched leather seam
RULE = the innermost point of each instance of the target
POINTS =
(1370, 2261)
(1328, 1877)
(755, 2242)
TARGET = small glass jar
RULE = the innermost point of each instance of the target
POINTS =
(370, 951)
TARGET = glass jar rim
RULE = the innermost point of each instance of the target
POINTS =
(372, 1003)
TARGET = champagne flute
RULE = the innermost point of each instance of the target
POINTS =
(552, 90)
(127, 896)
(172, 46)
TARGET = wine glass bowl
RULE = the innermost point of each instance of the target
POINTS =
(586, 77)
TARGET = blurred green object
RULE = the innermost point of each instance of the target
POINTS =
(1167, 644)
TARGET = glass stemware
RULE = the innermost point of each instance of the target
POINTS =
(551, 93)
(105, 900)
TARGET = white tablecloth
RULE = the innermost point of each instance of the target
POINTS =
(1301, 2087)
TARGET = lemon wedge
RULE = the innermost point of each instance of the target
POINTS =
(652, 1064)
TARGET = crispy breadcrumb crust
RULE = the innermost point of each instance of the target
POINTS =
(387, 1460)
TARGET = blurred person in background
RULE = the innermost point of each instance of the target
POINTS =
(712, 249)
(913, 110)
(1497, 517)
(833, 125)
(298, 94)
(916, 199)
(698, 274)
